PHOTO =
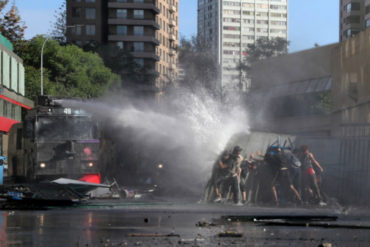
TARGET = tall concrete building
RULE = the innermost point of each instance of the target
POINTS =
(148, 29)
(230, 25)
(352, 17)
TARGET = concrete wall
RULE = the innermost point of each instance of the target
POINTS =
(308, 64)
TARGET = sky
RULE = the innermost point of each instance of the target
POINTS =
(310, 21)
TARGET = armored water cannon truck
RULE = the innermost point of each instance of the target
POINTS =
(52, 142)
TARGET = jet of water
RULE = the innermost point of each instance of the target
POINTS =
(189, 129)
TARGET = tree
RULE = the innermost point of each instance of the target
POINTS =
(3, 3)
(263, 48)
(199, 65)
(11, 26)
(60, 25)
(122, 62)
(68, 72)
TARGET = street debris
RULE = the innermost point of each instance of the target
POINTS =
(230, 234)
(153, 235)
(325, 244)
(290, 218)
(38, 196)
(204, 224)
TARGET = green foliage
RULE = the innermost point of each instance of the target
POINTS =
(122, 62)
(263, 48)
(324, 102)
(11, 25)
(199, 65)
(68, 70)
(60, 25)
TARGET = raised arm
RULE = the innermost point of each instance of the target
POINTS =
(316, 162)
(222, 164)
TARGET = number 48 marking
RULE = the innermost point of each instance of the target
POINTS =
(67, 111)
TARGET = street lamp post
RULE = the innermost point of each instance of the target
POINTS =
(42, 65)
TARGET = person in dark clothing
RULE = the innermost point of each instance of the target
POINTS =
(310, 182)
(245, 178)
(213, 188)
(221, 174)
(282, 176)
(234, 171)
(253, 179)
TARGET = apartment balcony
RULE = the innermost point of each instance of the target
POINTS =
(131, 38)
(172, 66)
(172, 8)
(172, 37)
(145, 6)
(145, 55)
(172, 52)
(172, 23)
(133, 22)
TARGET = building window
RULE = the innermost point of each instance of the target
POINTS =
(90, 29)
(350, 32)
(121, 30)
(138, 30)
(121, 13)
(352, 19)
(76, 12)
(12, 114)
(138, 46)
(138, 14)
(90, 1)
(1, 67)
(138, 1)
(120, 45)
(78, 42)
(352, 7)
(5, 108)
(90, 13)
(367, 23)
(139, 61)
(76, 30)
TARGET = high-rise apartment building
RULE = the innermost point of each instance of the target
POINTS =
(148, 29)
(352, 18)
(230, 25)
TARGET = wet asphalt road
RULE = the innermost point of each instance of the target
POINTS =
(120, 223)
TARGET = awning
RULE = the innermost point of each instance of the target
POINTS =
(317, 85)
(6, 124)
(15, 102)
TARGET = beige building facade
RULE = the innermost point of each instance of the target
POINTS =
(168, 36)
(323, 91)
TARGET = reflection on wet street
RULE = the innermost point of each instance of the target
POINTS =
(128, 224)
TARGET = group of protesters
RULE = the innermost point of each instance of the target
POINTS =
(280, 176)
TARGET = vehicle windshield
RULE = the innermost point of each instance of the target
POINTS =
(64, 128)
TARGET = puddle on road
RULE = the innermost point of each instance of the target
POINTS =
(80, 227)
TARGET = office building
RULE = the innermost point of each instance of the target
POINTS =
(148, 29)
(12, 91)
(230, 25)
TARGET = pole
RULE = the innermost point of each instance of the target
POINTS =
(42, 65)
